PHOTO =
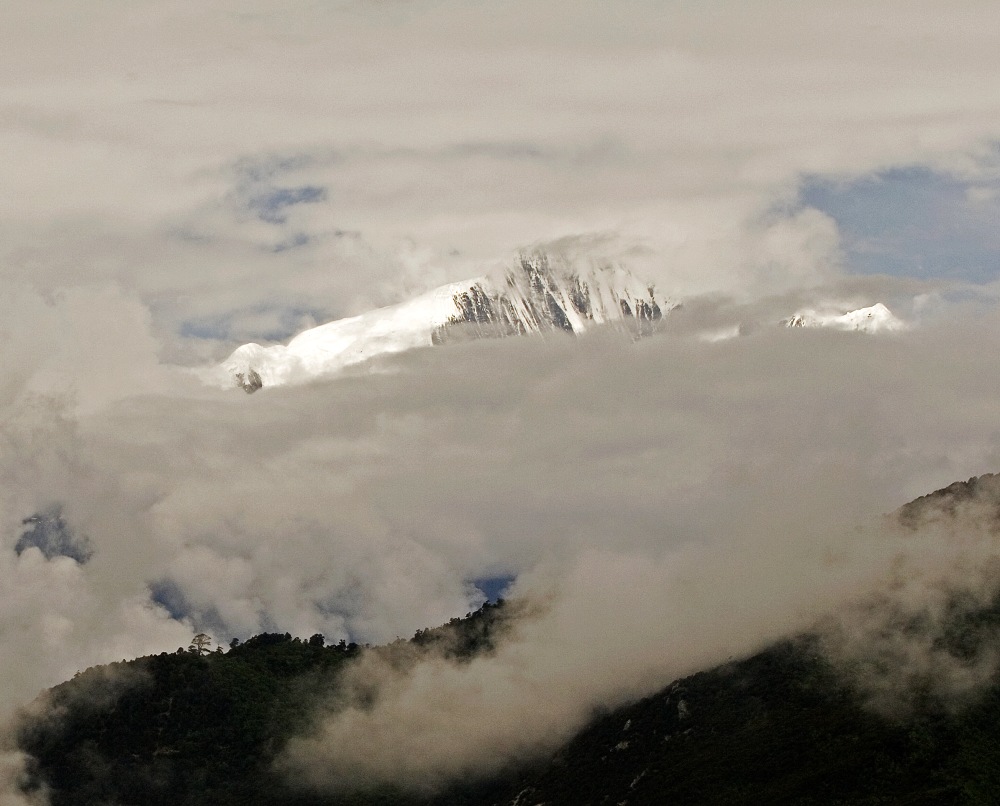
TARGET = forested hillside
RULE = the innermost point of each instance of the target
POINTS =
(782, 727)
(203, 727)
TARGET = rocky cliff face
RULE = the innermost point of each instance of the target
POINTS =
(533, 297)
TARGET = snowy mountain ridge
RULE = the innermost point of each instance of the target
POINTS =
(532, 297)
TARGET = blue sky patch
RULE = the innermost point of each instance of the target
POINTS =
(295, 241)
(50, 534)
(263, 323)
(914, 222)
(168, 595)
(271, 204)
(493, 587)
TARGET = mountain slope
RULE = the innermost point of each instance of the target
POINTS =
(777, 728)
(781, 727)
(786, 726)
(197, 728)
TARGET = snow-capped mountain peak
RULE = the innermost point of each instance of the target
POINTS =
(532, 297)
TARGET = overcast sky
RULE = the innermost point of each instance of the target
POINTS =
(182, 177)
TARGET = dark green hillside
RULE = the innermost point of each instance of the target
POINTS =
(781, 727)
(185, 728)
(202, 727)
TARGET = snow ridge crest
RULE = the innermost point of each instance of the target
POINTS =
(534, 296)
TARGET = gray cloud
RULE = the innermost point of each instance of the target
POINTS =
(12, 777)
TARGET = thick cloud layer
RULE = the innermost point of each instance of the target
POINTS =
(745, 509)
(674, 502)
(244, 168)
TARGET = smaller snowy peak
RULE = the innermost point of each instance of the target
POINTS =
(874, 319)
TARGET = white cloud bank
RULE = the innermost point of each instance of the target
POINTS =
(142, 141)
